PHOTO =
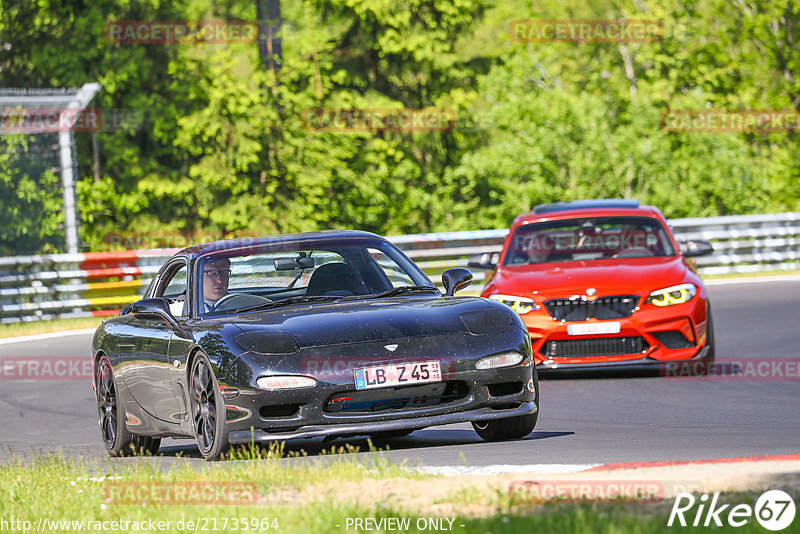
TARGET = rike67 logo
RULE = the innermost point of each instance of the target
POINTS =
(774, 510)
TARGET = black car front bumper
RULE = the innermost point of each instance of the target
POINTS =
(471, 394)
(407, 423)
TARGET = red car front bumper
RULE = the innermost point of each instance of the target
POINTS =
(650, 335)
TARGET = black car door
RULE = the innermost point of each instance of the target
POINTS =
(145, 362)
(143, 365)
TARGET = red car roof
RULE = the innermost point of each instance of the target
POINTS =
(580, 211)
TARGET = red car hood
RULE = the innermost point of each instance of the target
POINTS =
(608, 277)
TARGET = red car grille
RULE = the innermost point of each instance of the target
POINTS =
(601, 346)
(615, 307)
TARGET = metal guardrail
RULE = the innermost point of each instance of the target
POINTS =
(99, 283)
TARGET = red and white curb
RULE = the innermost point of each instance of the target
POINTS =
(737, 460)
(502, 469)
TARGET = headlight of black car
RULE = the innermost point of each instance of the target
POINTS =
(505, 359)
(272, 383)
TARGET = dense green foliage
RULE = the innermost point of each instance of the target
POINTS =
(225, 150)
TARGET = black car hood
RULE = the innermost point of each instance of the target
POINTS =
(368, 320)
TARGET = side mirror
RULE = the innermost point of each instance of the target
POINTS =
(155, 307)
(695, 248)
(487, 260)
(455, 280)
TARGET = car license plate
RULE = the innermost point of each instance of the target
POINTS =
(379, 376)
(593, 328)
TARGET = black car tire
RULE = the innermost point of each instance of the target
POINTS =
(146, 445)
(711, 356)
(510, 427)
(117, 438)
(207, 409)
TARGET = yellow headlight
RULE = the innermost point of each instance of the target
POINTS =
(521, 305)
(669, 296)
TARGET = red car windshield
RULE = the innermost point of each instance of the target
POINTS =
(588, 238)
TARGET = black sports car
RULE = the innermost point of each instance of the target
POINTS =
(321, 334)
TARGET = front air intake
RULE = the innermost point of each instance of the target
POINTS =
(616, 307)
(601, 346)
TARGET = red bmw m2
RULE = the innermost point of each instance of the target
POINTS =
(602, 283)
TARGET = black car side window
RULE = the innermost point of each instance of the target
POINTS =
(396, 276)
(173, 288)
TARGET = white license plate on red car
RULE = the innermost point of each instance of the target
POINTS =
(397, 374)
(593, 328)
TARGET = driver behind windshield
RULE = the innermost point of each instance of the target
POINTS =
(216, 275)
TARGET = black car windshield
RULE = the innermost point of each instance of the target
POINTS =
(588, 238)
(309, 272)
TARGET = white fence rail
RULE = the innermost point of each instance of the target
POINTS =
(99, 283)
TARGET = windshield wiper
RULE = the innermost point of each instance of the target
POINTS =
(334, 298)
(402, 289)
(292, 300)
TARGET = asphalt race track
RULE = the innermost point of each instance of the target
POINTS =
(595, 420)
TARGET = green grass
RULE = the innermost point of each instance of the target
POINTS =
(307, 496)
(62, 489)
(44, 327)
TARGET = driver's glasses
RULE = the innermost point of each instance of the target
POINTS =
(214, 274)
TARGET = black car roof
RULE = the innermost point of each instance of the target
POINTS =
(283, 239)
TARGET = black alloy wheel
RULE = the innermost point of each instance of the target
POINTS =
(116, 437)
(208, 410)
